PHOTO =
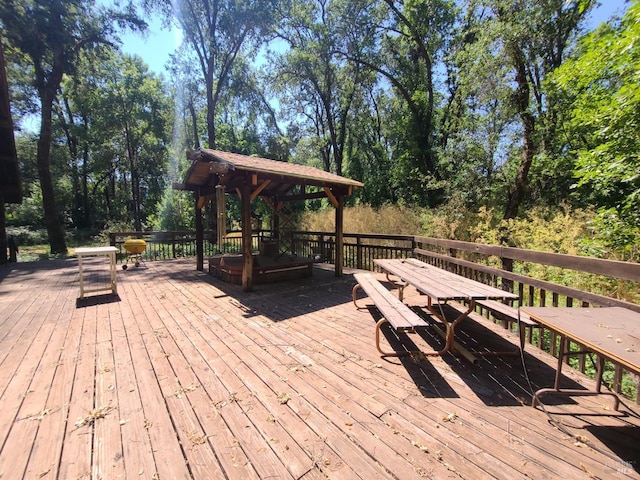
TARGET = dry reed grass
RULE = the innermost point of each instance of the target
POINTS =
(389, 219)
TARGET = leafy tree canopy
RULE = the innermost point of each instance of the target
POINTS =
(603, 84)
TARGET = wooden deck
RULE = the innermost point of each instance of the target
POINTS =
(183, 376)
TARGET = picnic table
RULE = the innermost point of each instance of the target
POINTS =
(612, 333)
(442, 286)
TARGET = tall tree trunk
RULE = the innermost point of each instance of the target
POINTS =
(194, 124)
(522, 100)
(55, 232)
(64, 112)
(86, 204)
(3, 232)
(211, 108)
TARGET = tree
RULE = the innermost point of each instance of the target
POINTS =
(318, 86)
(402, 43)
(602, 86)
(523, 42)
(51, 35)
(218, 31)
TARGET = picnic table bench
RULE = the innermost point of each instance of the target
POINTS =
(392, 309)
(509, 314)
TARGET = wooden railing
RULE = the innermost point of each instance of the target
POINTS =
(609, 283)
(176, 244)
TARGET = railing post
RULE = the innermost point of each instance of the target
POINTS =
(452, 267)
(358, 253)
(507, 265)
(173, 244)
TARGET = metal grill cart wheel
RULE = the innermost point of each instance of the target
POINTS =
(135, 248)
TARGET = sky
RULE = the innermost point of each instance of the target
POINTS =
(159, 43)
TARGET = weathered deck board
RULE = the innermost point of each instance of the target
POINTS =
(206, 381)
(155, 417)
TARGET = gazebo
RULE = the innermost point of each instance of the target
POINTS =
(214, 172)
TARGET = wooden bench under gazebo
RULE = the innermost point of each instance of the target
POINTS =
(214, 173)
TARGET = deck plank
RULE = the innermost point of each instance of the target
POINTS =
(155, 417)
(48, 443)
(36, 356)
(214, 358)
(207, 381)
(224, 361)
(174, 378)
(76, 457)
(137, 450)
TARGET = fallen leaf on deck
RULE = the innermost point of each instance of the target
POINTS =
(283, 398)
(94, 415)
(451, 417)
(41, 415)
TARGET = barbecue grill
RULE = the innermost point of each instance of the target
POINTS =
(135, 248)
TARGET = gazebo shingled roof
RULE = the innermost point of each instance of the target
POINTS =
(213, 167)
(252, 176)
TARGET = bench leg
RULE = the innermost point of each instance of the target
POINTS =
(379, 324)
(354, 294)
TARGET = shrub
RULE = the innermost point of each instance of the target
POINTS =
(27, 236)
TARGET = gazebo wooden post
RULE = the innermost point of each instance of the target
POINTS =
(339, 262)
(275, 224)
(247, 240)
(199, 236)
(221, 216)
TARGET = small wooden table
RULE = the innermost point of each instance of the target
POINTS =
(612, 333)
(442, 286)
(93, 252)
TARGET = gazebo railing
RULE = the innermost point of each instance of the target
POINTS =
(165, 245)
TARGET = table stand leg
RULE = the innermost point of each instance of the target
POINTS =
(449, 334)
(81, 276)
(114, 286)
(564, 351)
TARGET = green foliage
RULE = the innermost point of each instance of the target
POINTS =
(27, 236)
(499, 139)
(28, 213)
(176, 212)
(114, 226)
(48, 37)
(603, 84)
(414, 98)
(612, 237)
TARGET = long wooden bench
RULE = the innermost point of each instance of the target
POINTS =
(393, 311)
(509, 316)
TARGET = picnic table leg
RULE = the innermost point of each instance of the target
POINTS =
(398, 284)
(449, 334)
(564, 350)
